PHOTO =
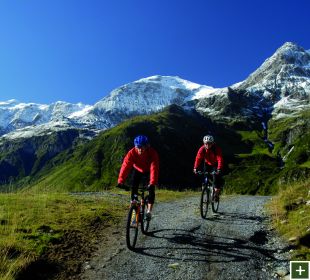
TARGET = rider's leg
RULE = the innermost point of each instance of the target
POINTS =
(134, 192)
(135, 183)
(151, 198)
(149, 208)
(218, 183)
(151, 201)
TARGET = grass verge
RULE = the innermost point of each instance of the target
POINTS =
(30, 223)
(290, 211)
(49, 232)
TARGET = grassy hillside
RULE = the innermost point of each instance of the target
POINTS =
(263, 170)
(24, 157)
(252, 167)
(176, 135)
(292, 143)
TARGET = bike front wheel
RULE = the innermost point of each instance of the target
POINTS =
(132, 228)
(145, 223)
(215, 202)
(204, 202)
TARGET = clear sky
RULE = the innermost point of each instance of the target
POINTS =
(80, 50)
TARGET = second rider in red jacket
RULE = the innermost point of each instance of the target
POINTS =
(211, 155)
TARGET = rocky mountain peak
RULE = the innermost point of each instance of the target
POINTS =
(291, 53)
(289, 63)
(282, 82)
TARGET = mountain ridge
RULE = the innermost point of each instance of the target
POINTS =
(281, 85)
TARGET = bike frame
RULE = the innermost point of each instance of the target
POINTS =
(207, 194)
(137, 208)
(139, 205)
(208, 179)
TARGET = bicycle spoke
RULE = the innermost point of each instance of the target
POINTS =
(132, 228)
(204, 202)
(144, 222)
(215, 203)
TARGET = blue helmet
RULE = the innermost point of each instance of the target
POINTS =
(141, 141)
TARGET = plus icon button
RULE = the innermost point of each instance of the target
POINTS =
(300, 270)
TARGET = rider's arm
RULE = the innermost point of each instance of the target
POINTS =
(219, 157)
(154, 168)
(199, 157)
(126, 167)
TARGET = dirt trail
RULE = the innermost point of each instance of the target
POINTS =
(236, 243)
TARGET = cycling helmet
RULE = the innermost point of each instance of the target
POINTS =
(141, 141)
(208, 139)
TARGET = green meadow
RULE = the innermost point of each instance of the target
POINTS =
(31, 222)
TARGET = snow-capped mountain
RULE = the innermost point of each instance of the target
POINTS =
(149, 94)
(280, 85)
(283, 80)
(144, 96)
(17, 117)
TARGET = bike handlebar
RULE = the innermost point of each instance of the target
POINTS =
(205, 173)
(128, 188)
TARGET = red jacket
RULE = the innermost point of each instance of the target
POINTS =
(148, 161)
(211, 156)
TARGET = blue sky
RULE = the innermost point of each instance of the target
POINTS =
(80, 50)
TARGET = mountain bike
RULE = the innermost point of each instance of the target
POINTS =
(136, 217)
(208, 194)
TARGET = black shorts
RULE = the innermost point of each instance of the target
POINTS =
(142, 178)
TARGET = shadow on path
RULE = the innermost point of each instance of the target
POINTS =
(192, 246)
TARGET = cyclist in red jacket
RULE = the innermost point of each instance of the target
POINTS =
(212, 156)
(145, 163)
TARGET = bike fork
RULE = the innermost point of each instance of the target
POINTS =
(138, 214)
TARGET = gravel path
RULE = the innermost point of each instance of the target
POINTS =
(236, 243)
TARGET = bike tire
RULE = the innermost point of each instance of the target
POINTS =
(204, 202)
(214, 204)
(131, 231)
(145, 224)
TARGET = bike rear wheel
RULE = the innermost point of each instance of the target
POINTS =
(204, 202)
(215, 202)
(144, 222)
(132, 228)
